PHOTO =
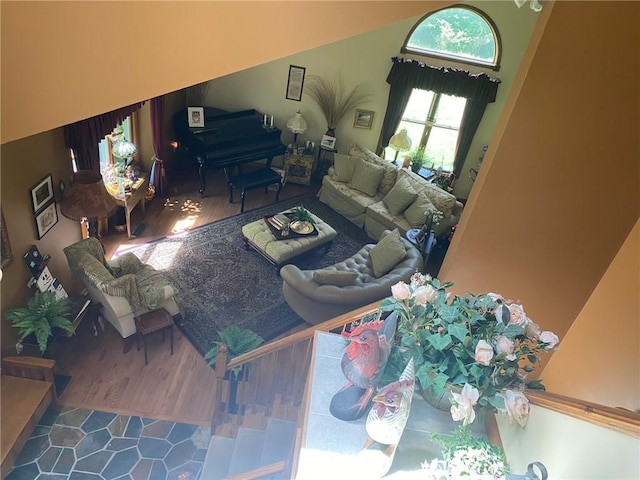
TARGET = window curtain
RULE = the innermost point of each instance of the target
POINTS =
(407, 74)
(84, 136)
(158, 176)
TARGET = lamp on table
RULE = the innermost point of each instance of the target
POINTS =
(87, 199)
(297, 124)
(400, 142)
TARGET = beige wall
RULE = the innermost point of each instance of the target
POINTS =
(544, 221)
(601, 351)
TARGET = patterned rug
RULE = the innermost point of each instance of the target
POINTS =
(221, 283)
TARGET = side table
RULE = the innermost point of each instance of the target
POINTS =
(323, 163)
(298, 168)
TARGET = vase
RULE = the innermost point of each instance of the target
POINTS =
(331, 132)
(442, 401)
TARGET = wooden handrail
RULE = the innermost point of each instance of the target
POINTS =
(618, 419)
(305, 334)
(260, 472)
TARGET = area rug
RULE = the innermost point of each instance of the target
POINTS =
(221, 283)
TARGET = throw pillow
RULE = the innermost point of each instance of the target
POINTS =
(387, 253)
(366, 177)
(343, 167)
(400, 197)
(416, 213)
(334, 277)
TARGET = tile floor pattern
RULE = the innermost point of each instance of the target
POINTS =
(81, 444)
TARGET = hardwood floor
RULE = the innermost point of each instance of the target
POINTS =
(171, 387)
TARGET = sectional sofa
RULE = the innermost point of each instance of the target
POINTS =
(375, 195)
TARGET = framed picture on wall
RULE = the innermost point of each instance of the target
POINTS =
(328, 142)
(42, 193)
(363, 119)
(295, 82)
(46, 219)
(196, 116)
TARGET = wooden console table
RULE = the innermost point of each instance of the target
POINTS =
(133, 198)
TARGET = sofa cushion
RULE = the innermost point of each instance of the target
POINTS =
(400, 197)
(390, 170)
(387, 253)
(416, 213)
(334, 277)
(443, 201)
(366, 177)
(343, 167)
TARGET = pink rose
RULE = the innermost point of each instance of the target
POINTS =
(515, 315)
(462, 404)
(400, 291)
(484, 353)
(424, 294)
(418, 279)
(551, 340)
(517, 406)
(532, 330)
(504, 344)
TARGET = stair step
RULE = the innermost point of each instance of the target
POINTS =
(218, 459)
(280, 437)
(247, 450)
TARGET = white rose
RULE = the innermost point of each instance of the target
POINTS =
(462, 404)
(424, 294)
(551, 340)
(484, 353)
(517, 406)
(504, 344)
(400, 291)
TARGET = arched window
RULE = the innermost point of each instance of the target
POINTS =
(462, 34)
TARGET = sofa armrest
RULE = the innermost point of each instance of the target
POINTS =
(457, 209)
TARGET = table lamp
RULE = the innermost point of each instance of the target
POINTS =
(297, 124)
(124, 150)
(400, 142)
(87, 198)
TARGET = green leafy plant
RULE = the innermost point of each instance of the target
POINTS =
(466, 456)
(484, 345)
(333, 100)
(419, 158)
(44, 313)
(301, 214)
(237, 340)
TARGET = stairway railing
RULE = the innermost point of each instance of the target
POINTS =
(271, 378)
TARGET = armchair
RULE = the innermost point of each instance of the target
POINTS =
(124, 286)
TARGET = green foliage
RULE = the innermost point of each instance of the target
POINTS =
(468, 456)
(302, 215)
(419, 158)
(44, 313)
(237, 340)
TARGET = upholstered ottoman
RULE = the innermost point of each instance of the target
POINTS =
(258, 236)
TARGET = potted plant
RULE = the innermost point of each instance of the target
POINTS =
(465, 456)
(474, 350)
(418, 158)
(333, 100)
(43, 314)
(301, 214)
(237, 340)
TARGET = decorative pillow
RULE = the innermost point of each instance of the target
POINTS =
(343, 167)
(387, 253)
(416, 213)
(366, 177)
(334, 277)
(400, 197)
(94, 269)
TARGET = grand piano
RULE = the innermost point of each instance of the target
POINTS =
(227, 140)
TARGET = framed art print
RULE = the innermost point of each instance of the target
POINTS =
(295, 82)
(46, 219)
(328, 142)
(363, 119)
(42, 193)
(195, 116)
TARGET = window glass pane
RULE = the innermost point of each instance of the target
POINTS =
(450, 111)
(104, 145)
(459, 32)
(418, 105)
(442, 147)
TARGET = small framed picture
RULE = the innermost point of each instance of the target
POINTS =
(363, 119)
(295, 82)
(328, 142)
(42, 193)
(196, 116)
(46, 219)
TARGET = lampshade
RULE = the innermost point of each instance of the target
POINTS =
(400, 142)
(123, 149)
(297, 123)
(87, 198)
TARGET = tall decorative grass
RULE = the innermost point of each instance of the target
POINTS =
(332, 98)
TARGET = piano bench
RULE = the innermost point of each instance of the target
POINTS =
(252, 180)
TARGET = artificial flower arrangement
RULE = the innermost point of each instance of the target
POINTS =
(477, 348)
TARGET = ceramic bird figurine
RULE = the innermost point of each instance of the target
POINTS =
(389, 414)
(363, 363)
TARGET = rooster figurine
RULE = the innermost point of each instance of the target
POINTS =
(363, 363)
(387, 419)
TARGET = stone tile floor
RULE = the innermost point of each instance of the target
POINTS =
(81, 444)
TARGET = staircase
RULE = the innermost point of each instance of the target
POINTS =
(252, 449)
